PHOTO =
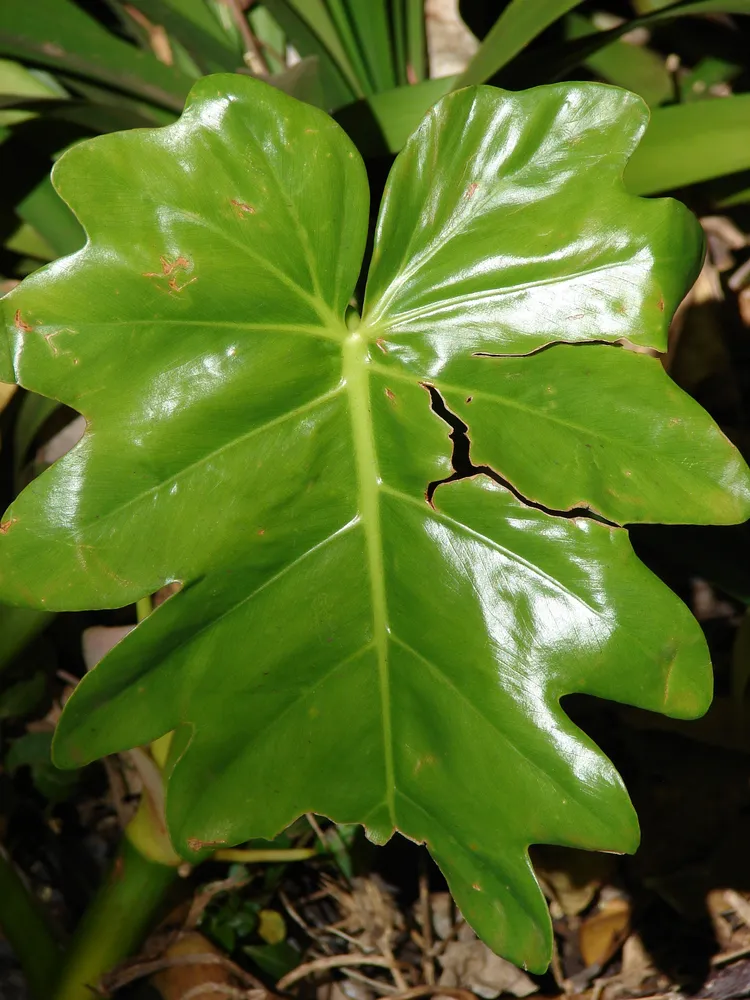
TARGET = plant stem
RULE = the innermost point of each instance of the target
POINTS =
(254, 857)
(24, 925)
(115, 922)
(143, 608)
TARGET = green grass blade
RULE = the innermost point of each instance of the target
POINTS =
(398, 20)
(314, 16)
(559, 60)
(633, 67)
(340, 15)
(689, 143)
(191, 23)
(519, 24)
(370, 21)
(44, 209)
(84, 48)
(416, 40)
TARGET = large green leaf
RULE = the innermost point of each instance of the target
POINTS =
(352, 638)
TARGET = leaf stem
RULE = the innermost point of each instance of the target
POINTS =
(126, 904)
(24, 925)
(254, 857)
(115, 922)
(143, 608)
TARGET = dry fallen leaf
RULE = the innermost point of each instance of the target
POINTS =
(471, 964)
(571, 879)
(601, 934)
(368, 912)
(441, 907)
(637, 967)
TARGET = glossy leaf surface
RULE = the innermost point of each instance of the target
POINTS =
(340, 644)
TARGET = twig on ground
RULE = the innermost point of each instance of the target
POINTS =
(739, 904)
(556, 967)
(219, 988)
(330, 929)
(385, 989)
(287, 904)
(204, 897)
(331, 962)
(398, 978)
(435, 991)
(317, 829)
(425, 917)
(731, 956)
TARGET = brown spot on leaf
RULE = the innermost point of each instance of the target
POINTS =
(380, 342)
(660, 305)
(19, 323)
(427, 759)
(175, 283)
(471, 190)
(167, 268)
(389, 393)
(198, 845)
(469, 399)
(175, 286)
(241, 208)
(477, 886)
(6, 525)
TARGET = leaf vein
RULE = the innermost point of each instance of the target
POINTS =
(305, 408)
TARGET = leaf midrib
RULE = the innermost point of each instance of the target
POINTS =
(356, 379)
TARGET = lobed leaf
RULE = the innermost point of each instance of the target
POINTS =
(385, 591)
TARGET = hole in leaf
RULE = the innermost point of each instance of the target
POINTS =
(623, 344)
(464, 468)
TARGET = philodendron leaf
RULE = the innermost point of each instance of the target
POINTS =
(352, 637)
